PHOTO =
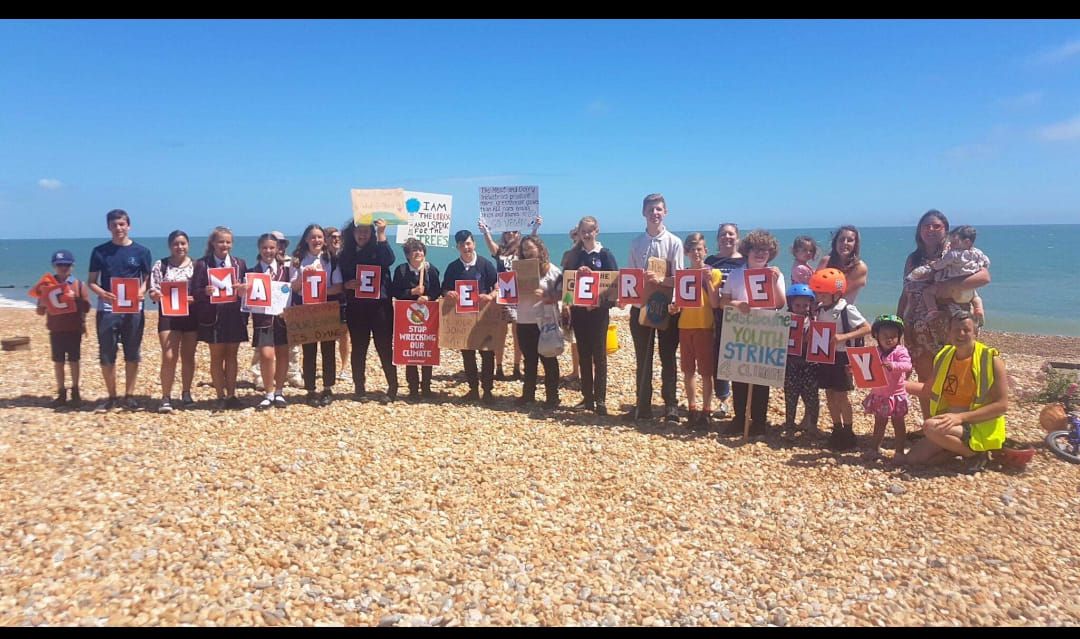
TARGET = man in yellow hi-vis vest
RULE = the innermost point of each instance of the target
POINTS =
(969, 396)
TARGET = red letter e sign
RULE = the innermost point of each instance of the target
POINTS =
(468, 300)
(586, 292)
(368, 277)
(760, 287)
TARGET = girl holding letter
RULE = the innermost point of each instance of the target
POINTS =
(270, 338)
(216, 285)
(179, 335)
(369, 317)
(312, 255)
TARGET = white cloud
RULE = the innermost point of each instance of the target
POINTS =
(50, 184)
(1059, 54)
(1067, 130)
(1029, 99)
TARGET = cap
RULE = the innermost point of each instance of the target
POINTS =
(63, 257)
(279, 236)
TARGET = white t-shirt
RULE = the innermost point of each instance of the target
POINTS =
(527, 314)
(663, 245)
(832, 314)
(319, 263)
(735, 284)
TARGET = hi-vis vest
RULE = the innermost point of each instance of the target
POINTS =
(987, 435)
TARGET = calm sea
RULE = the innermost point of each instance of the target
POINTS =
(1026, 261)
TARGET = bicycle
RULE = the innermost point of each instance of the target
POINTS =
(1066, 443)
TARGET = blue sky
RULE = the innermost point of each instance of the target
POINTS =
(268, 124)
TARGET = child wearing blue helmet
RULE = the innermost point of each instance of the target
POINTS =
(800, 376)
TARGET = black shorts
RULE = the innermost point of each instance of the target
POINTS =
(173, 323)
(836, 376)
(274, 335)
(65, 344)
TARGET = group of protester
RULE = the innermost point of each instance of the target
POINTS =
(962, 385)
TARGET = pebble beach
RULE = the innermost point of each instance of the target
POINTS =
(452, 514)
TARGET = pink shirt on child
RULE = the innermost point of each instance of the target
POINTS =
(800, 273)
(901, 366)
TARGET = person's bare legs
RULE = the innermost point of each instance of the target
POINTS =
(924, 369)
(217, 368)
(108, 373)
(940, 444)
(880, 424)
(343, 349)
(131, 373)
(281, 368)
(58, 371)
(170, 352)
(690, 383)
(189, 341)
(268, 368)
(75, 375)
(899, 437)
(707, 393)
(231, 368)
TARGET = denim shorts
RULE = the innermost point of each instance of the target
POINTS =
(114, 329)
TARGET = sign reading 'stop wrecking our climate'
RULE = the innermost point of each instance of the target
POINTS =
(753, 346)
(509, 208)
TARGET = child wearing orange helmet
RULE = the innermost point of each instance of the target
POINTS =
(829, 284)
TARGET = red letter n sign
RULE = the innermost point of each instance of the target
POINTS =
(821, 347)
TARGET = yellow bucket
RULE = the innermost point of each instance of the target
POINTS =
(612, 339)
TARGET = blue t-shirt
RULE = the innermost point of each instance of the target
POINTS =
(112, 260)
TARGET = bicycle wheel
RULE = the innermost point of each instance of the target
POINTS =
(1058, 442)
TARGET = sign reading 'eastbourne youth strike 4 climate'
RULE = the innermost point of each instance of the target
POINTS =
(753, 346)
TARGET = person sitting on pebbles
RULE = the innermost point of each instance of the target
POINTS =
(969, 396)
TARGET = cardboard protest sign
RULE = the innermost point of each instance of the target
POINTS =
(46, 282)
(509, 208)
(314, 283)
(314, 323)
(468, 296)
(820, 345)
(369, 279)
(174, 299)
(528, 280)
(429, 218)
(689, 288)
(126, 290)
(631, 286)
(657, 297)
(223, 280)
(258, 291)
(416, 333)
(59, 299)
(280, 298)
(369, 205)
(797, 335)
(753, 346)
(867, 370)
(483, 331)
(506, 288)
(760, 287)
(586, 289)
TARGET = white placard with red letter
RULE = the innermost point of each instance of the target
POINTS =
(867, 371)
(631, 286)
(820, 345)
(587, 291)
(416, 333)
(688, 288)
(59, 300)
(760, 287)
(222, 279)
(259, 292)
(126, 290)
(314, 286)
(468, 296)
(174, 299)
(369, 279)
(796, 335)
(507, 291)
